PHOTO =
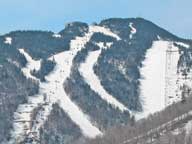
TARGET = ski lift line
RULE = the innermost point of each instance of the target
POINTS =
(170, 73)
(151, 131)
(171, 51)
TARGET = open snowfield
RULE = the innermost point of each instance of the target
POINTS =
(153, 81)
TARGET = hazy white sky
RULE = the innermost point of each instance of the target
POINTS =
(174, 15)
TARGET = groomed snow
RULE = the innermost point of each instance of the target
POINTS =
(86, 70)
(153, 81)
(172, 81)
(57, 94)
(31, 65)
(103, 30)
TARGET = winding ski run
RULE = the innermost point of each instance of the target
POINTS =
(86, 70)
(25, 124)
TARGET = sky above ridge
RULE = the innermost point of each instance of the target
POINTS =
(173, 15)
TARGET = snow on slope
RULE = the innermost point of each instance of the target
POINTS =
(8, 40)
(182, 44)
(104, 45)
(171, 87)
(22, 116)
(133, 30)
(153, 82)
(57, 94)
(52, 91)
(56, 35)
(31, 65)
(162, 82)
(86, 70)
(62, 71)
(188, 127)
(103, 30)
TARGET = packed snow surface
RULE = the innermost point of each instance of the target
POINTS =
(86, 70)
(171, 88)
(153, 81)
(162, 80)
(31, 65)
(61, 72)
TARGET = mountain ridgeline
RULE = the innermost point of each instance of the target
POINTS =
(95, 69)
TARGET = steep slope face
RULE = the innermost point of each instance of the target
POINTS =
(14, 86)
(94, 77)
(59, 128)
(102, 113)
(128, 69)
(153, 81)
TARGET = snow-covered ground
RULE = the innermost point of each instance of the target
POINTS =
(52, 91)
(133, 30)
(31, 65)
(104, 46)
(182, 44)
(8, 40)
(161, 82)
(56, 35)
(171, 87)
(153, 81)
(188, 127)
(57, 94)
(86, 70)
(103, 30)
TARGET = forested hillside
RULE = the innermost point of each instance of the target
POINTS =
(171, 125)
(88, 81)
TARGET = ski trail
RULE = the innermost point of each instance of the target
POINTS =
(133, 30)
(183, 44)
(51, 92)
(103, 30)
(57, 94)
(31, 65)
(161, 83)
(23, 115)
(153, 82)
(86, 70)
(171, 88)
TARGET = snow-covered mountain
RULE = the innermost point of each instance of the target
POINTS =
(67, 86)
